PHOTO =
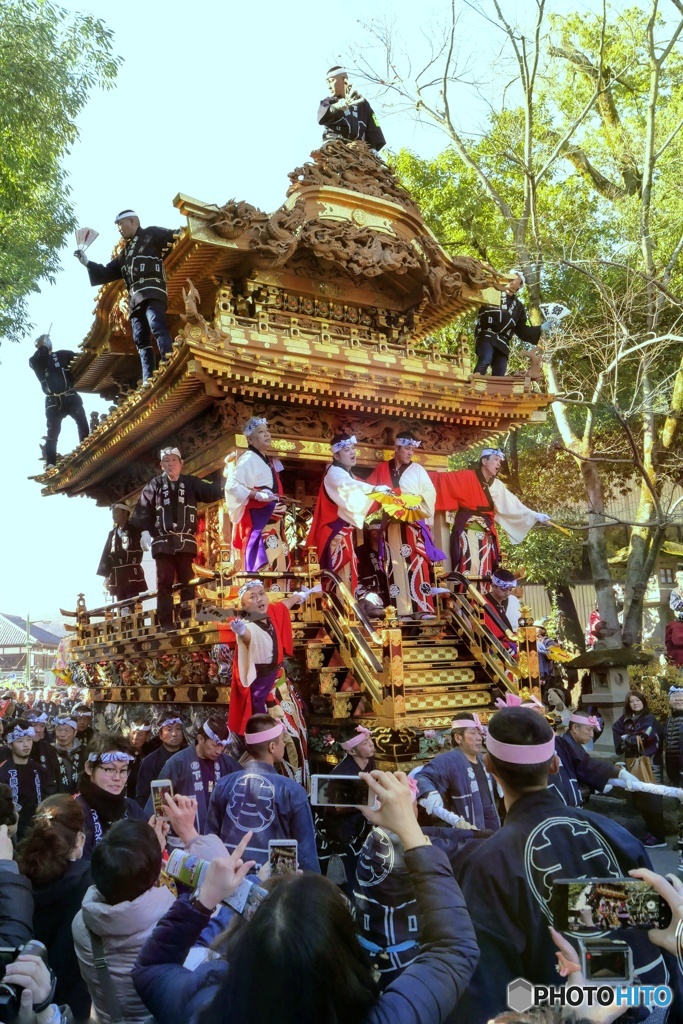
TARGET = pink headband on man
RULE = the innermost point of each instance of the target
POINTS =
(516, 753)
(266, 736)
(363, 734)
(466, 723)
(585, 720)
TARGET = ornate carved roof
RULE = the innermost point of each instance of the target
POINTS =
(326, 305)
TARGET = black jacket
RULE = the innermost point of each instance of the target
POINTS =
(170, 512)
(121, 558)
(497, 324)
(56, 905)
(350, 118)
(46, 755)
(52, 370)
(141, 266)
(16, 909)
(151, 768)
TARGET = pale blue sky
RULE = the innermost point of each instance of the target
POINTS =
(216, 100)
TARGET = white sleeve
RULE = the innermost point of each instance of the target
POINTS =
(349, 494)
(240, 477)
(515, 518)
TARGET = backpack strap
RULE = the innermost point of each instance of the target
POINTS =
(105, 979)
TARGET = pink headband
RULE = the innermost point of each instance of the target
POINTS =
(513, 700)
(363, 734)
(516, 753)
(266, 736)
(465, 723)
(585, 720)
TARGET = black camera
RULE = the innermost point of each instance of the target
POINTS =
(10, 994)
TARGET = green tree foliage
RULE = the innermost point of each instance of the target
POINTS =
(50, 61)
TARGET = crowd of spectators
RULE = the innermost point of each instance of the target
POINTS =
(419, 908)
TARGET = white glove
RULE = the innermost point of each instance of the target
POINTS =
(238, 626)
(146, 540)
(81, 257)
(547, 326)
(431, 801)
(264, 496)
(632, 784)
(541, 517)
(382, 488)
(439, 590)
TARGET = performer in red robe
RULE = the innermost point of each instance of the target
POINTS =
(259, 683)
(252, 490)
(340, 510)
(407, 550)
(480, 501)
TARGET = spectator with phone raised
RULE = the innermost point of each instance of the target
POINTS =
(328, 976)
(508, 891)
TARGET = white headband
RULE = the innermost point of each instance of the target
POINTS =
(407, 442)
(18, 733)
(518, 273)
(65, 721)
(251, 425)
(491, 451)
(336, 72)
(82, 714)
(145, 727)
(120, 504)
(170, 451)
(247, 586)
(170, 721)
(124, 214)
(503, 584)
(111, 755)
(38, 718)
(212, 735)
(346, 442)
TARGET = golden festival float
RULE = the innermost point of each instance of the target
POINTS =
(320, 317)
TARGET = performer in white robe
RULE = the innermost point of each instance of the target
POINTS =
(253, 492)
(407, 549)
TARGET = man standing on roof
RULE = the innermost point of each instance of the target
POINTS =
(167, 511)
(140, 264)
(253, 496)
(496, 324)
(407, 549)
(61, 398)
(480, 501)
(347, 115)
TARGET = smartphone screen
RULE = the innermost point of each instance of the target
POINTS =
(605, 904)
(159, 789)
(340, 791)
(282, 858)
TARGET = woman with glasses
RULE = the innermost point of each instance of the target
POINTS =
(102, 788)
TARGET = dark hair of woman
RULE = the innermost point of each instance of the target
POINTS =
(107, 742)
(127, 862)
(8, 812)
(44, 853)
(627, 703)
(318, 973)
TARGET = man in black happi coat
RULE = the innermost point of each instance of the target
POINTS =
(167, 509)
(140, 263)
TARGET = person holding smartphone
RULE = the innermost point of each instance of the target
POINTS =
(329, 976)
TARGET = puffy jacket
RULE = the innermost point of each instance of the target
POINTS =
(16, 906)
(427, 990)
(124, 928)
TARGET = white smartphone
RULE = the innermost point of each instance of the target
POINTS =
(159, 789)
(339, 791)
(283, 856)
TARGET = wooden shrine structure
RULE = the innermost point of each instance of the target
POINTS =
(320, 317)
